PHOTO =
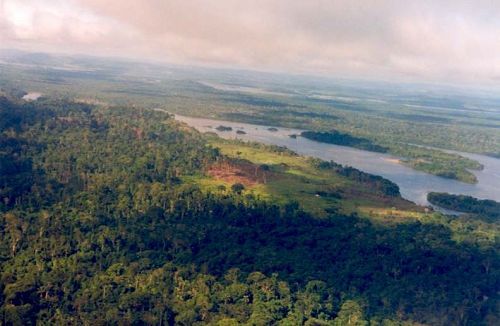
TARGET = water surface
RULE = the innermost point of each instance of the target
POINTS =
(414, 185)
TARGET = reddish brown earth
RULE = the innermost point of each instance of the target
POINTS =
(239, 172)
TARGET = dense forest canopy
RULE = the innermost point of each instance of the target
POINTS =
(387, 187)
(97, 225)
(343, 139)
(467, 204)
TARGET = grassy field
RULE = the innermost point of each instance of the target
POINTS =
(293, 178)
(271, 173)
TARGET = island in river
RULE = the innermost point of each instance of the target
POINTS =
(414, 185)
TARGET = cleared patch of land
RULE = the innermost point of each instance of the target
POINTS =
(275, 173)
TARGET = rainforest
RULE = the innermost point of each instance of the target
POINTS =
(253, 163)
(107, 215)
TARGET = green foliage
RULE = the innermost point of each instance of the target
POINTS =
(343, 139)
(488, 209)
(446, 165)
(237, 188)
(350, 314)
(224, 128)
(106, 232)
(392, 117)
(385, 186)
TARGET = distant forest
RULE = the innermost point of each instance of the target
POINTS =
(466, 204)
(343, 139)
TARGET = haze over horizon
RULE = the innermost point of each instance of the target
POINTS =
(434, 41)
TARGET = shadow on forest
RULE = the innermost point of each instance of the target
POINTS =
(412, 269)
(63, 240)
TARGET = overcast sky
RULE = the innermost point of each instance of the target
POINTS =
(440, 40)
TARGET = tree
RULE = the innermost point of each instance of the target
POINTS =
(350, 314)
(237, 188)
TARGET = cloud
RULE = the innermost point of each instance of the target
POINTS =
(452, 40)
(54, 25)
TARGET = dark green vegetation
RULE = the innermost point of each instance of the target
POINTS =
(387, 187)
(446, 165)
(98, 226)
(489, 209)
(389, 115)
(338, 138)
(276, 174)
(224, 128)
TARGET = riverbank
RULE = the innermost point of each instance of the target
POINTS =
(414, 185)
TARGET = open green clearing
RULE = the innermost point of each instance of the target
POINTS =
(297, 178)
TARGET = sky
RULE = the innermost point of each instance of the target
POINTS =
(456, 41)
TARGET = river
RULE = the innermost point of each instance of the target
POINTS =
(414, 185)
